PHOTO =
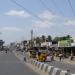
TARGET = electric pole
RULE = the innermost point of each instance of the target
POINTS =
(32, 38)
(31, 34)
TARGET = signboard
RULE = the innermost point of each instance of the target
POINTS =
(72, 44)
(64, 43)
(46, 44)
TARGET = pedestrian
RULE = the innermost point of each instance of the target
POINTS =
(24, 53)
(52, 57)
(60, 57)
(72, 57)
(24, 58)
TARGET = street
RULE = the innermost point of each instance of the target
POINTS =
(10, 65)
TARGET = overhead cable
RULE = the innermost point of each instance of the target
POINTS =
(43, 3)
(71, 7)
(54, 3)
(26, 9)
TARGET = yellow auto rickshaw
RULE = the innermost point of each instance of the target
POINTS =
(32, 54)
(33, 51)
(41, 56)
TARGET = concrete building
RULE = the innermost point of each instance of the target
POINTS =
(46, 44)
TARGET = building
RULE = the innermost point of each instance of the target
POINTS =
(66, 47)
(1, 44)
(46, 44)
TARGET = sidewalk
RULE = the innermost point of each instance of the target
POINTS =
(65, 60)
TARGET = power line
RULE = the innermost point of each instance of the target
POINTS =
(34, 15)
(71, 7)
(26, 9)
(43, 3)
(54, 3)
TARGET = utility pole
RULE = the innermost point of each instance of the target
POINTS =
(0, 34)
(32, 38)
(31, 34)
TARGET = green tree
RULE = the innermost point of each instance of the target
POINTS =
(31, 43)
(49, 38)
(72, 41)
(63, 38)
(1, 44)
(43, 38)
(68, 36)
(38, 41)
(56, 39)
(24, 42)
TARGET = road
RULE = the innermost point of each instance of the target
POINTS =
(10, 65)
(63, 66)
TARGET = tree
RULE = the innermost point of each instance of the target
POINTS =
(24, 42)
(43, 38)
(1, 44)
(68, 36)
(38, 41)
(56, 39)
(49, 38)
(31, 43)
(63, 38)
(72, 41)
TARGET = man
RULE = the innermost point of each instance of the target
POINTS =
(24, 53)
(60, 56)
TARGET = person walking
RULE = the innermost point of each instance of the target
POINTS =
(60, 57)
(24, 53)
(52, 57)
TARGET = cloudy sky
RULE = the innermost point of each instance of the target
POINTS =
(52, 17)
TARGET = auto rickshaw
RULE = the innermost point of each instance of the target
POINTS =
(32, 54)
(41, 56)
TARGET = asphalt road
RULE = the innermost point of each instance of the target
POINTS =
(10, 65)
(62, 66)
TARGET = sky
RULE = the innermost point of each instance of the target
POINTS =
(52, 17)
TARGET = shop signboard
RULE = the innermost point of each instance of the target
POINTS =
(64, 43)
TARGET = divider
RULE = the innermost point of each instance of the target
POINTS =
(50, 70)
(45, 67)
(41, 65)
(55, 71)
(64, 73)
